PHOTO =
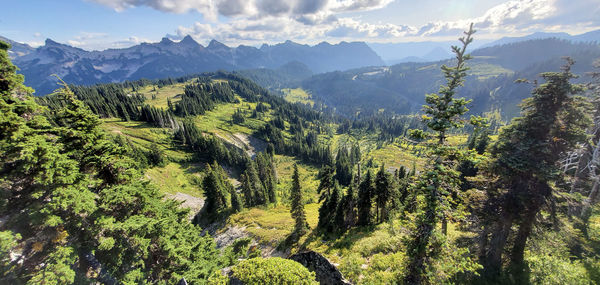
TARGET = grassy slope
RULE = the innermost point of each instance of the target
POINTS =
(359, 252)
(297, 95)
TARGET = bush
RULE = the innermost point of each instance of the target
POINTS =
(351, 267)
(549, 263)
(272, 270)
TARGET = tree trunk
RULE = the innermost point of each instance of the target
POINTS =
(483, 243)
(517, 256)
(518, 250)
(493, 259)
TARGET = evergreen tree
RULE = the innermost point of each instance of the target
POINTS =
(326, 183)
(525, 164)
(156, 155)
(266, 170)
(215, 199)
(238, 117)
(247, 190)
(365, 200)
(332, 205)
(355, 155)
(383, 193)
(343, 167)
(259, 195)
(73, 193)
(236, 202)
(439, 181)
(297, 204)
(325, 188)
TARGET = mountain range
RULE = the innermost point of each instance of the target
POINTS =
(170, 59)
(491, 83)
(274, 66)
(427, 51)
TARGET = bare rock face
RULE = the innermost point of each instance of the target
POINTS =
(325, 272)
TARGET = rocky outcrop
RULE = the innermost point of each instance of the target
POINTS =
(325, 272)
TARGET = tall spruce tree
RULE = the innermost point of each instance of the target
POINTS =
(326, 186)
(247, 190)
(343, 167)
(213, 190)
(442, 113)
(383, 193)
(365, 200)
(297, 204)
(236, 201)
(525, 165)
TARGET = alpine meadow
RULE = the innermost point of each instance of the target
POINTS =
(300, 142)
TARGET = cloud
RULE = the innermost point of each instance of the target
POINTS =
(253, 22)
(524, 16)
(133, 40)
(211, 9)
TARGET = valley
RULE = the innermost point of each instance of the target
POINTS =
(179, 163)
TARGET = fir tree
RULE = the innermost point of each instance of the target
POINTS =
(297, 204)
(325, 188)
(383, 193)
(236, 202)
(443, 112)
(247, 190)
(525, 163)
(215, 198)
(365, 200)
(343, 167)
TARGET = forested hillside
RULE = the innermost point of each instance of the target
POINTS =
(400, 88)
(410, 174)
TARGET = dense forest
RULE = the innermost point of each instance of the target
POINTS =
(468, 197)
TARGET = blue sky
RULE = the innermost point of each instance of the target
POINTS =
(100, 24)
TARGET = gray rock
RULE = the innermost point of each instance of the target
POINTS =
(325, 272)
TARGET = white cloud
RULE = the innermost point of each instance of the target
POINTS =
(133, 40)
(310, 21)
(251, 8)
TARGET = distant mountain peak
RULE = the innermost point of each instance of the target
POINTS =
(50, 42)
(165, 41)
(214, 44)
(291, 43)
(189, 41)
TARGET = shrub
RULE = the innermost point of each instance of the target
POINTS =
(351, 267)
(272, 270)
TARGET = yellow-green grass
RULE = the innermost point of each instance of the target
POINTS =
(297, 95)
(218, 120)
(161, 94)
(271, 226)
(394, 156)
(143, 135)
(175, 177)
(308, 178)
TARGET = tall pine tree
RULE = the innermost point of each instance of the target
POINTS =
(297, 204)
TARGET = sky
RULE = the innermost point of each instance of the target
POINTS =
(102, 24)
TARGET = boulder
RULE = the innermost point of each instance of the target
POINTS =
(325, 272)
